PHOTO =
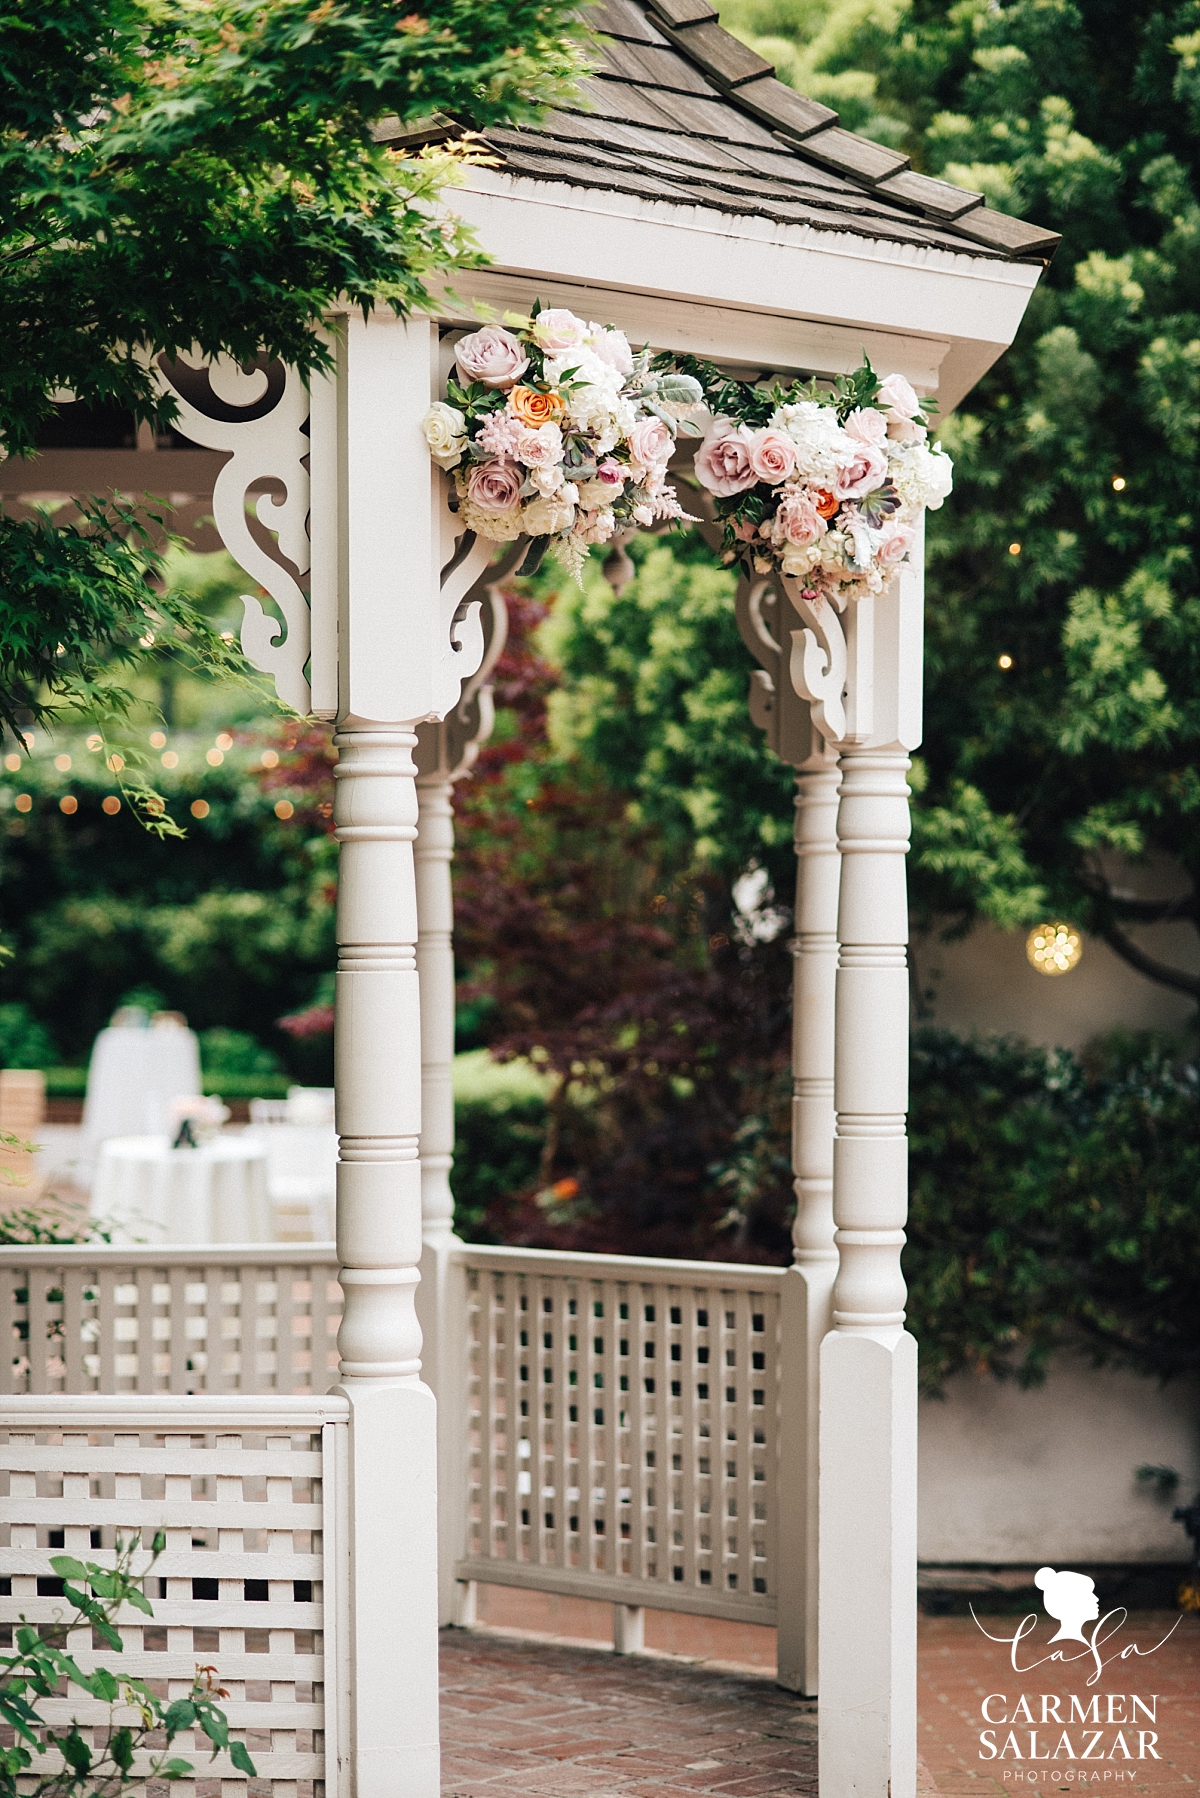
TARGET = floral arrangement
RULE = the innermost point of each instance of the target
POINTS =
(825, 485)
(556, 429)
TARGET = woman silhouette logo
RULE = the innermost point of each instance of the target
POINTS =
(1070, 1598)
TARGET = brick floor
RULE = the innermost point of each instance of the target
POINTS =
(526, 1717)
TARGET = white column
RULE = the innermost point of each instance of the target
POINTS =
(440, 1297)
(868, 1514)
(806, 1306)
(393, 652)
(393, 1492)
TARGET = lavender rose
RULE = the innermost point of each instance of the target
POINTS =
(492, 356)
(494, 486)
(867, 471)
(723, 460)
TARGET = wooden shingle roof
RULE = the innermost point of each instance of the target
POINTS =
(677, 110)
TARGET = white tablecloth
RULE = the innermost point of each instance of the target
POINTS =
(152, 1193)
(134, 1074)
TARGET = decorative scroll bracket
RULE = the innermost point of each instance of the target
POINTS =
(263, 445)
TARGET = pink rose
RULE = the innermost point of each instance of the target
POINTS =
(797, 520)
(867, 471)
(866, 425)
(896, 395)
(492, 356)
(494, 486)
(556, 331)
(501, 435)
(612, 347)
(650, 442)
(772, 456)
(895, 541)
(610, 472)
(542, 448)
(723, 460)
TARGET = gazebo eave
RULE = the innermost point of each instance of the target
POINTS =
(681, 275)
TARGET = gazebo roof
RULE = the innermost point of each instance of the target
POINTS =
(679, 110)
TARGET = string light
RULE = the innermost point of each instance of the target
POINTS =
(1005, 662)
(214, 758)
(1014, 549)
(110, 804)
(23, 802)
(62, 763)
(1054, 948)
(170, 759)
(284, 809)
(199, 808)
(158, 739)
(1118, 483)
(68, 803)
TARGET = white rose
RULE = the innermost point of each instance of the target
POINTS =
(547, 516)
(445, 431)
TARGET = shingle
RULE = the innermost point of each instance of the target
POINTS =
(784, 108)
(941, 199)
(623, 18)
(684, 12)
(650, 66)
(852, 155)
(1009, 234)
(721, 55)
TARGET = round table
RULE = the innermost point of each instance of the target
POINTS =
(146, 1191)
(136, 1071)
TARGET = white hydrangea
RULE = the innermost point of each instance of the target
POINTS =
(497, 527)
(922, 476)
(822, 447)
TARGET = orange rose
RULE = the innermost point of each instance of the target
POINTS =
(533, 408)
(826, 505)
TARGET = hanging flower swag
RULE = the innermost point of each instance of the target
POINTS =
(556, 430)
(825, 485)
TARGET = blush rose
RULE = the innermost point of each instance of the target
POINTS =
(772, 455)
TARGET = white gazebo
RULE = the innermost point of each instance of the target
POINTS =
(702, 206)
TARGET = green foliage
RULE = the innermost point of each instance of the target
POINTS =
(233, 926)
(132, 1750)
(1054, 1203)
(24, 1042)
(654, 695)
(1070, 545)
(205, 172)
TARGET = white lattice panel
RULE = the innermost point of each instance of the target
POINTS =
(168, 1320)
(623, 1429)
(247, 1495)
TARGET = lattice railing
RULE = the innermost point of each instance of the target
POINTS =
(623, 1436)
(250, 1493)
(181, 1320)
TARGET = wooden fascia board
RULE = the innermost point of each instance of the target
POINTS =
(833, 286)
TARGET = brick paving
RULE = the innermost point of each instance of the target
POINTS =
(959, 1667)
(525, 1719)
(528, 1717)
